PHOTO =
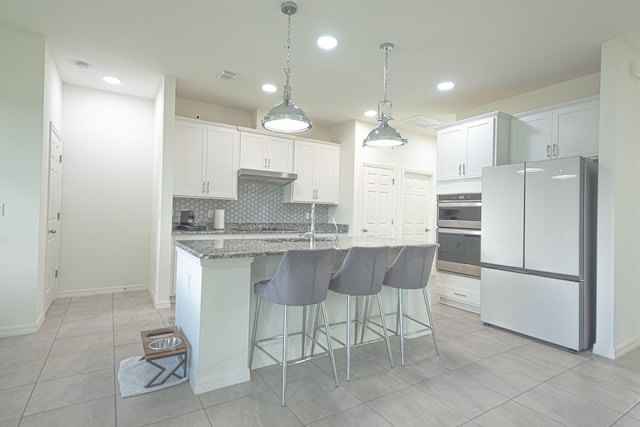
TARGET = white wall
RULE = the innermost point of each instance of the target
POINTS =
(106, 191)
(162, 194)
(543, 97)
(618, 294)
(21, 116)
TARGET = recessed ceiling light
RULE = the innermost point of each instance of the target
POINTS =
(371, 113)
(446, 85)
(268, 87)
(327, 42)
(112, 80)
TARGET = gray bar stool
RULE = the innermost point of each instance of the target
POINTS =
(411, 270)
(302, 279)
(361, 274)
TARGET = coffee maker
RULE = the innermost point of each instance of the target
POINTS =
(188, 222)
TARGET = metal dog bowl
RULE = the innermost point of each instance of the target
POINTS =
(165, 343)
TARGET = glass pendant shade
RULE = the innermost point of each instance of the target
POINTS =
(287, 117)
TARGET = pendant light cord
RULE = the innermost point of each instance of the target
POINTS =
(386, 71)
(287, 69)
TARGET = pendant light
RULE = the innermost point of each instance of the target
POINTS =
(287, 117)
(384, 135)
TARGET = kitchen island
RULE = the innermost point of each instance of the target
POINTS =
(214, 300)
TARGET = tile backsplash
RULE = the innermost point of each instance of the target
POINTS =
(257, 202)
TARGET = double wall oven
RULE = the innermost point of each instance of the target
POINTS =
(459, 232)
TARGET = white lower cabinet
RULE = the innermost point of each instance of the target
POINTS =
(565, 130)
(206, 161)
(458, 291)
(318, 168)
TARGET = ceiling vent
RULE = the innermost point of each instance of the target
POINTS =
(421, 121)
(227, 75)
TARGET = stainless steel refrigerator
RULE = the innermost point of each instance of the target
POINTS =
(538, 249)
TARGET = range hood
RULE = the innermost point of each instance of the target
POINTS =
(280, 178)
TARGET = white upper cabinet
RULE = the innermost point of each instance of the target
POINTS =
(318, 168)
(206, 161)
(465, 147)
(265, 152)
(566, 130)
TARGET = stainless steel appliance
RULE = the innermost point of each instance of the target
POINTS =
(459, 220)
(538, 249)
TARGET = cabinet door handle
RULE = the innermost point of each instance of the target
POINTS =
(548, 150)
(460, 294)
(265, 162)
(554, 150)
(459, 169)
(208, 187)
(464, 169)
(269, 163)
(203, 188)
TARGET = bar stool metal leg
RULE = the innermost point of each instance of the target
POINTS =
(254, 331)
(433, 331)
(364, 317)
(348, 325)
(285, 349)
(304, 328)
(329, 345)
(384, 329)
(401, 316)
(315, 329)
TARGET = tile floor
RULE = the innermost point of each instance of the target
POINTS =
(65, 375)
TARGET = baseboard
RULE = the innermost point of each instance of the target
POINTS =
(617, 351)
(162, 304)
(604, 351)
(104, 290)
(14, 330)
(214, 382)
(627, 346)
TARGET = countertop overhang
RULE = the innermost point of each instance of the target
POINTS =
(238, 248)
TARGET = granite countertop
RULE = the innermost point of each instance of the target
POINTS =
(265, 228)
(238, 248)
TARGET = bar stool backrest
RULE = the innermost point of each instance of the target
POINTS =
(411, 268)
(361, 272)
(302, 278)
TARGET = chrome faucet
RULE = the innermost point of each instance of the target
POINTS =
(335, 235)
(311, 234)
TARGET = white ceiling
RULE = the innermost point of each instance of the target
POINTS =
(492, 49)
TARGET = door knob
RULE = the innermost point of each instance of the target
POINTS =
(52, 231)
(427, 229)
(364, 230)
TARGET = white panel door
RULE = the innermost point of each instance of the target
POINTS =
(53, 216)
(552, 216)
(222, 163)
(417, 223)
(190, 152)
(377, 202)
(503, 215)
(479, 147)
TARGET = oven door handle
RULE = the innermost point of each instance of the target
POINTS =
(459, 231)
(459, 204)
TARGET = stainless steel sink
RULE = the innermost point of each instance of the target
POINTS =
(297, 239)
